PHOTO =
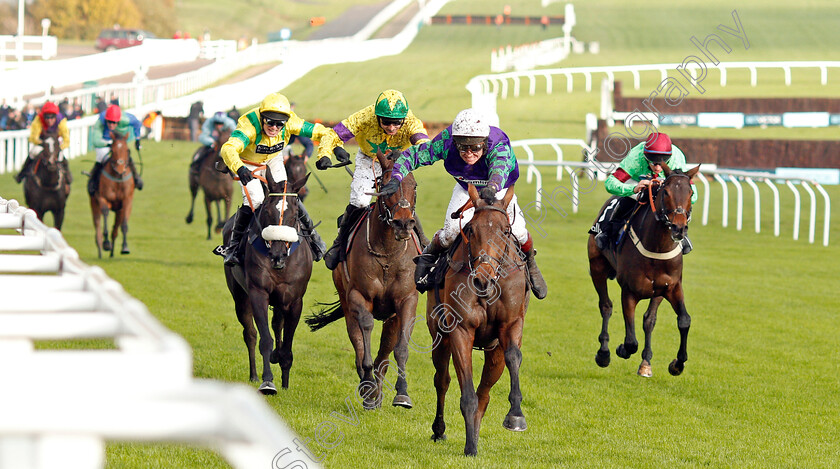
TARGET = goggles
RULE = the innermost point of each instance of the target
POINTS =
(111, 122)
(273, 123)
(49, 116)
(386, 122)
(465, 147)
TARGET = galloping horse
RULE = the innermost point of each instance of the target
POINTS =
(376, 281)
(116, 192)
(647, 264)
(217, 186)
(296, 170)
(47, 188)
(275, 271)
(482, 305)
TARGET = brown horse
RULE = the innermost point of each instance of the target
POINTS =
(377, 282)
(296, 170)
(481, 305)
(217, 186)
(115, 192)
(47, 188)
(275, 271)
(647, 263)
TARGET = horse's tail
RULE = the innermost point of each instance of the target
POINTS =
(330, 313)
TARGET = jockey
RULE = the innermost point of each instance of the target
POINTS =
(634, 174)
(386, 125)
(472, 152)
(260, 136)
(113, 120)
(48, 121)
(210, 132)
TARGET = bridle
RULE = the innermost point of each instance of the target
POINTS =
(475, 262)
(51, 162)
(662, 214)
(386, 212)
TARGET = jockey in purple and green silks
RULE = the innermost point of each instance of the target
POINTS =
(635, 172)
(476, 153)
(386, 125)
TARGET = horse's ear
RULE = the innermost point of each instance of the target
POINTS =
(508, 196)
(473, 194)
(299, 184)
(693, 171)
(666, 169)
(270, 184)
(383, 160)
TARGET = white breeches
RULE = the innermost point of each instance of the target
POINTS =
(460, 196)
(364, 177)
(278, 173)
(36, 150)
(102, 154)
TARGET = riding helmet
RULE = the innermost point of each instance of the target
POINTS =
(391, 104)
(113, 113)
(658, 147)
(470, 127)
(275, 106)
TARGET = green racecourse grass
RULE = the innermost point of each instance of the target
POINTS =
(759, 389)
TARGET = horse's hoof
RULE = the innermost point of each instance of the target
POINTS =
(267, 388)
(515, 423)
(106, 245)
(625, 351)
(254, 379)
(370, 404)
(602, 358)
(189, 219)
(645, 371)
(125, 251)
(437, 438)
(676, 368)
(402, 400)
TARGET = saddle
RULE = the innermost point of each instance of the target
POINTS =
(352, 236)
(616, 218)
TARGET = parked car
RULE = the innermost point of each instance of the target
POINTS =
(110, 39)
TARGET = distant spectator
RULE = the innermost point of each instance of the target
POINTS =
(114, 100)
(64, 107)
(178, 35)
(234, 113)
(101, 105)
(29, 114)
(15, 120)
(4, 113)
(194, 119)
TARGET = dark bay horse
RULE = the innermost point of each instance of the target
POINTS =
(116, 192)
(217, 186)
(481, 305)
(296, 170)
(647, 264)
(377, 282)
(275, 271)
(47, 188)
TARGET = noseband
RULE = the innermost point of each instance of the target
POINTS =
(386, 213)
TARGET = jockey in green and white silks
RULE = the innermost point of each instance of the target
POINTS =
(642, 164)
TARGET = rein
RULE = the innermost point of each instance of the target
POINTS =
(661, 216)
(482, 258)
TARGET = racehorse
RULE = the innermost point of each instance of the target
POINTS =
(275, 271)
(47, 187)
(481, 305)
(295, 170)
(376, 281)
(115, 192)
(647, 263)
(217, 186)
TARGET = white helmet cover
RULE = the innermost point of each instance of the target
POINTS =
(470, 123)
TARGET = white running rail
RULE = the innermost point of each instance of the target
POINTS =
(59, 406)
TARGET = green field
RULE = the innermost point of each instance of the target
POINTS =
(759, 389)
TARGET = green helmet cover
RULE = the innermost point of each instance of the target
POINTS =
(391, 104)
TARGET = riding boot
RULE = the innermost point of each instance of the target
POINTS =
(345, 224)
(602, 239)
(93, 182)
(319, 248)
(240, 226)
(686, 245)
(535, 277)
(24, 171)
(66, 165)
(138, 183)
(425, 262)
(418, 228)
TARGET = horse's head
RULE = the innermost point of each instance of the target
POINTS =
(278, 216)
(673, 200)
(486, 238)
(296, 170)
(224, 136)
(397, 210)
(49, 154)
(119, 153)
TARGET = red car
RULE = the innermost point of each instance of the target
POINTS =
(110, 39)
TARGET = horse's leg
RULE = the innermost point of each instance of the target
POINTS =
(259, 307)
(97, 233)
(387, 343)
(494, 365)
(220, 222)
(106, 237)
(683, 324)
(193, 193)
(648, 323)
(125, 213)
(440, 358)
(461, 341)
(249, 332)
(511, 340)
(58, 218)
(359, 326)
(208, 207)
(289, 325)
(277, 320)
(628, 307)
(599, 270)
(407, 314)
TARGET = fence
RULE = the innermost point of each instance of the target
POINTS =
(43, 47)
(722, 176)
(14, 144)
(141, 390)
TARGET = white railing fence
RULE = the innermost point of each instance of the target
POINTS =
(19, 47)
(577, 169)
(59, 406)
(14, 144)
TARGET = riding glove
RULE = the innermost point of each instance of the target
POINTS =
(323, 162)
(390, 188)
(341, 155)
(488, 193)
(244, 175)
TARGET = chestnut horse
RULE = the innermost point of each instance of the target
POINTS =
(275, 271)
(376, 281)
(116, 192)
(647, 263)
(47, 188)
(217, 186)
(481, 305)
